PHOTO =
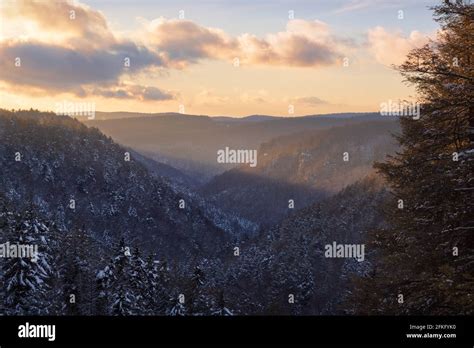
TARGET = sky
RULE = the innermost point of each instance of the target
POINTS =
(218, 57)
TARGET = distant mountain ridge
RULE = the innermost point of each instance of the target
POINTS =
(113, 115)
(190, 143)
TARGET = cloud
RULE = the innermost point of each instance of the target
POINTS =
(356, 5)
(75, 53)
(256, 96)
(392, 47)
(59, 69)
(209, 97)
(310, 101)
(154, 93)
(144, 93)
(183, 42)
(75, 23)
(78, 53)
(303, 44)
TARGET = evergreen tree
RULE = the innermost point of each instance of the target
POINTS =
(27, 280)
(138, 283)
(162, 288)
(103, 281)
(123, 285)
(150, 300)
(76, 262)
(197, 299)
(121, 296)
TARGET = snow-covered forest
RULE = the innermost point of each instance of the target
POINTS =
(120, 233)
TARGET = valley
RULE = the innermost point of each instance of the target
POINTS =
(122, 195)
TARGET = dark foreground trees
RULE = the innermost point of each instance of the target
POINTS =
(424, 260)
(69, 273)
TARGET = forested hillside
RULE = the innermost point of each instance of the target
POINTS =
(299, 169)
(289, 259)
(77, 177)
(73, 274)
(112, 237)
(122, 279)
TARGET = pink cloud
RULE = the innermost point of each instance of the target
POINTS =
(392, 47)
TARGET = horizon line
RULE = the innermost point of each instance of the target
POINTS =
(151, 114)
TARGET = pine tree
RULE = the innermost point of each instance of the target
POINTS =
(123, 285)
(158, 300)
(163, 301)
(138, 282)
(103, 280)
(108, 279)
(76, 264)
(122, 299)
(150, 301)
(27, 280)
(424, 262)
(198, 301)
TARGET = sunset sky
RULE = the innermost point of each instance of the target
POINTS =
(231, 58)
